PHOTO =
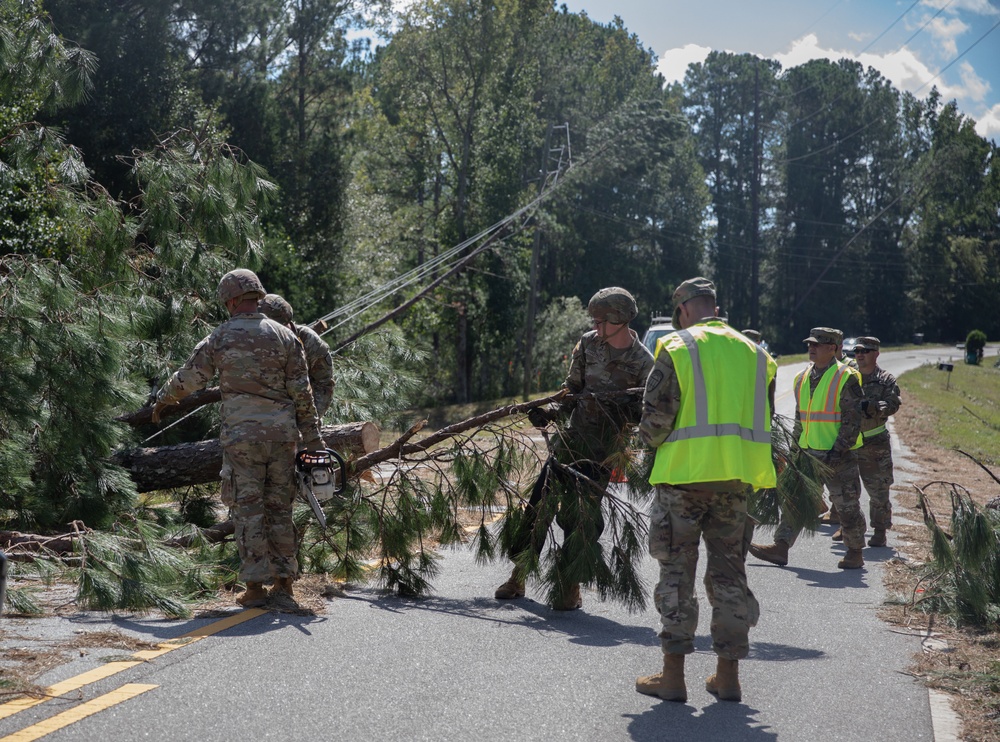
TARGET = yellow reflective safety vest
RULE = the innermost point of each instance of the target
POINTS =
(723, 427)
(819, 411)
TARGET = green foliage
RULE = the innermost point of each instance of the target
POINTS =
(558, 329)
(975, 340)
(799, 491)
(963, 582)
(61, 356)
(129, 567)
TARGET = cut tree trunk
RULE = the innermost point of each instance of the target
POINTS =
(186, 464)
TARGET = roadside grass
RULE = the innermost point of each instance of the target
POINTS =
(944, 412)
(965, 405)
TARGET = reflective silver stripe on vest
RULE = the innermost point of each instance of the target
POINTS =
(702, 428)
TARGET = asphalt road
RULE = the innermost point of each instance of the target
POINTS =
(461, 665)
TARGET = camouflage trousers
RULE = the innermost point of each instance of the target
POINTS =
(875, 467)
(258, 485)
(844, 486)
(678, 520)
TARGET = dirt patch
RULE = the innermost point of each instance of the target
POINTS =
(961, 662)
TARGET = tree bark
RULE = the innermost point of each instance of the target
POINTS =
(186, 464)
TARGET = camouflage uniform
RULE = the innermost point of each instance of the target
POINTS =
(681, 515)
(843, 483)
(875, 456)
(266, 404)
(318, 357)
(597, 429)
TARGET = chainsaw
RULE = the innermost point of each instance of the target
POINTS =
(321, 475)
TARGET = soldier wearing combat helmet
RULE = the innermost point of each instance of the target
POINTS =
(318, 356)
(881, 399)
(267, 412)
(609, 358)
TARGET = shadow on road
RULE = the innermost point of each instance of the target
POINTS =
(836, 580)
(681, 723)
(579, 626)
(172, 628)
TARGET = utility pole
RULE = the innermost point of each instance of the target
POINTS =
(536, 250)
(563, 160)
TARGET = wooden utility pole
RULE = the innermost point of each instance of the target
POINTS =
(529, 317)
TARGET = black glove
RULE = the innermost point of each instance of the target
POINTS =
(865, 404)
(538, 417)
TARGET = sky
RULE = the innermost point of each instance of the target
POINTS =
(915, 44)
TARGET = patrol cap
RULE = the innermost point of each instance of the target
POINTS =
(867, 343)
(752, 335)
(688, 290)
(275, 307)
(824, 335)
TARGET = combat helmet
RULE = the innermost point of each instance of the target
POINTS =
(239, 282)
(275, 307)
(613, 304)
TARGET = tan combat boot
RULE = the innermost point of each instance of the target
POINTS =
(853, 559)
(669, 684)
(832, 518)
(254, 596)
(282, 585)
(725, 684)
(282, 595)
(570, 600)
(513, 588)
(838, 535)
(878, 538)
(776, 553)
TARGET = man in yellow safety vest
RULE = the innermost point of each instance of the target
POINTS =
(707, 410)
(828, 400)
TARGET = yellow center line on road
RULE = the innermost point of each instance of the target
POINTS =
(113, 668)
(64, 719)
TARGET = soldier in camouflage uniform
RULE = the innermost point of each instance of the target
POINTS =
(881, 399)
(267, 415)
(609, 358)
(838, 416)
(707, 410)
(318, 356)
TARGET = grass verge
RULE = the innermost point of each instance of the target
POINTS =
(944, 412)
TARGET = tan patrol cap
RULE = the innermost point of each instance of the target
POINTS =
(688, 290)
(867, 343)
(824, 335)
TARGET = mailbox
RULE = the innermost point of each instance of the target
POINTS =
(946, 366)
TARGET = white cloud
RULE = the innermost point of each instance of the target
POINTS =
(945, 31)
(673, 63)
(988, 124)
(975, 87)
(982, 7)
(902, 68)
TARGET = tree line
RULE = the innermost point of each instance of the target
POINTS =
(147, 147)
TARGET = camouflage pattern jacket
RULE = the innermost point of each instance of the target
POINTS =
(596, 427)
(319, 360)
(882, 394)
(262, 376)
